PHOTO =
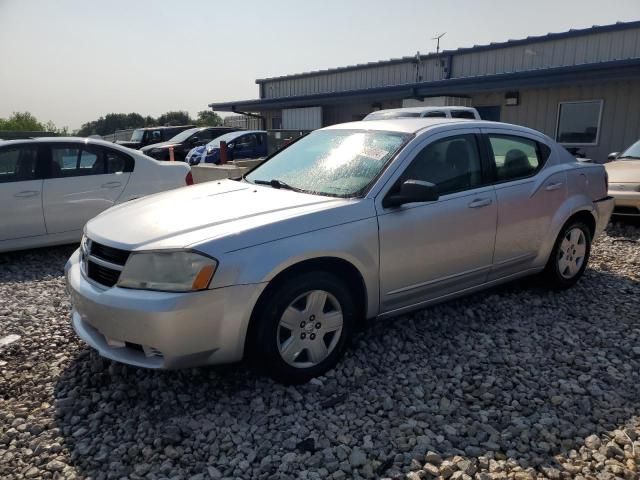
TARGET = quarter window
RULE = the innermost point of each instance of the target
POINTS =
(579, 122)
(118, 162)
(516, 157)
(452, 163)
(18, 164)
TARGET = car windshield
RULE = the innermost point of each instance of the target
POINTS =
(633, 152)
(137, 135)
(331, 162)
(227, 137)
(182, 136)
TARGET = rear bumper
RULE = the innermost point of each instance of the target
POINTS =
(604, 208)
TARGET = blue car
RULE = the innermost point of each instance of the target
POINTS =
(241, 144)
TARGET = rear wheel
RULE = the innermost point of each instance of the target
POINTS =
(304, 327)
(569, 257)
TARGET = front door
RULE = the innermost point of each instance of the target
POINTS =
(83, 183)
(20, 193)
(431, 249)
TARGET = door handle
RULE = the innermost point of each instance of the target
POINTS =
(111, 184)
(480, 202)
(27, 193)
(553, 186)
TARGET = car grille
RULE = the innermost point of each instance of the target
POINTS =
(103, 264)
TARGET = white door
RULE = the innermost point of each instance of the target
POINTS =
(20, 193)
(83, 183)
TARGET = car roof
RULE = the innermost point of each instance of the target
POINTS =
(84, 140)
(417, 124)
(425, 109)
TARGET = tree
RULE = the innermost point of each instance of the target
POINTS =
(175, 118)
(21, 121)
(112, 122)
(208, 118)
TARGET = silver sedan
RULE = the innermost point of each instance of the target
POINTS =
(353, 222)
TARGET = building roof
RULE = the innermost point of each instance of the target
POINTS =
(476, 48)
(565, 75)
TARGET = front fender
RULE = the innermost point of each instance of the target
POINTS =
(355, 242)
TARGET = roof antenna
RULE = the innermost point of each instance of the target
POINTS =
(437, 38)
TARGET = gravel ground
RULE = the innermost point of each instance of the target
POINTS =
(514, 383)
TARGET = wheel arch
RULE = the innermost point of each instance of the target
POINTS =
(335, 265)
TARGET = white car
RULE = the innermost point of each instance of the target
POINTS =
(468, 113)
(51, 187)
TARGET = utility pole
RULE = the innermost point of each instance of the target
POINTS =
(437, 38)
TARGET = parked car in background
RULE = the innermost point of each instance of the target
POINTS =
(185, 141)
(624, 180)
(427, 112)
(240, 144)
(50, 187)
(351, 222)
(146, 136)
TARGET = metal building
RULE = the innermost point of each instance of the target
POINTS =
(581, 87)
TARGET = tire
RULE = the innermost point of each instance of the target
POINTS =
(569, 257)
(290, 333)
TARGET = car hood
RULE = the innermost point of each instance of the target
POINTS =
(166, 144)
(232, 214)
(623, 171)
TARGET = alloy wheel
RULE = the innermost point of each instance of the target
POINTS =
(571, 253)
(309, 329)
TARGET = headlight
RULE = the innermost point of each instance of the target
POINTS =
(168, 271)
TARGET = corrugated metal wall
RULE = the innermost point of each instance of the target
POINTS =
(308, 118)
(595, 47)
(538, 109)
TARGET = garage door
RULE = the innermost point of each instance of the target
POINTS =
(302, 118)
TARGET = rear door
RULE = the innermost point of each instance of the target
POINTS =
(21, 181)
(84, 180)
(528, 197)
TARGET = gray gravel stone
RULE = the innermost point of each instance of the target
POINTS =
(517, 382)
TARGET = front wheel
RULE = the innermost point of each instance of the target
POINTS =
(304, 327)
(569, 257)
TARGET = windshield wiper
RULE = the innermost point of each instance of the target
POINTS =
(275, 183)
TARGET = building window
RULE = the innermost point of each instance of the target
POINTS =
(579, 122)
(276, 123)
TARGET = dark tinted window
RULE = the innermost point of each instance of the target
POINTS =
(118, 162)
(435, 114)
(452, 163)
(18, 164)
(75, 161)
(578, 122)
(246, 141)
(517, 157)
(462, 114)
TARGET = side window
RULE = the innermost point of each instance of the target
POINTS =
(118, 162)
(68, 161)
(18, 164)
(206, 135)
(246, 141)
(517, 157)
(435, 115)
(462, 114)
(452, 163)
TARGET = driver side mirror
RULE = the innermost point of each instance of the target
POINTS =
(230, 145)
(412, 191)
(613, 155)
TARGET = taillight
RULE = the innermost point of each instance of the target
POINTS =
(189, 179)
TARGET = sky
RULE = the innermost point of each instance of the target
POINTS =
(72, 61)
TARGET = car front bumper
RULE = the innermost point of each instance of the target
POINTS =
(627, 203)
(161, 329)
